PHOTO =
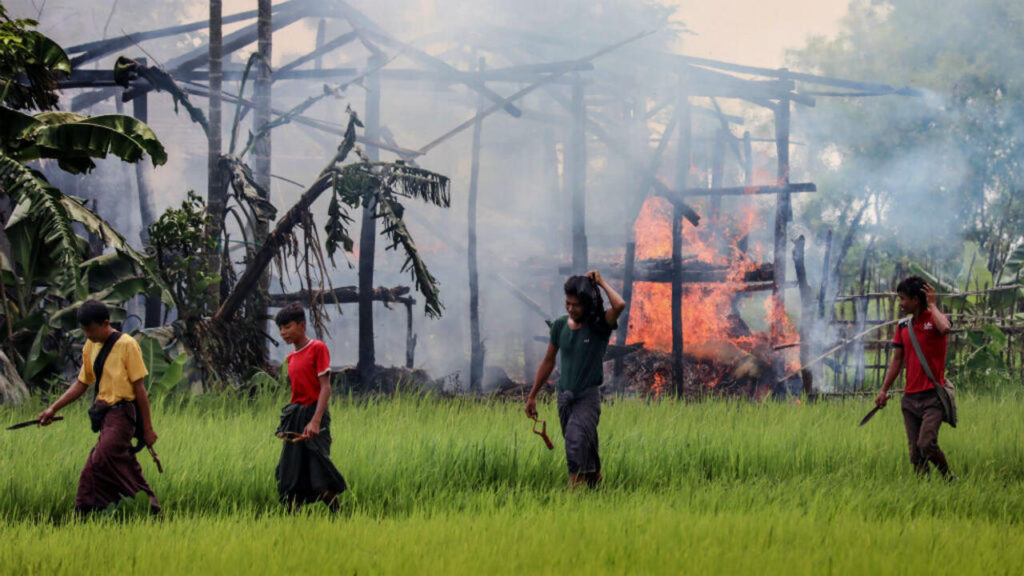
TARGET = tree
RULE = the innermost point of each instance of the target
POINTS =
(354, 185)
(923, 175)
(46, 266)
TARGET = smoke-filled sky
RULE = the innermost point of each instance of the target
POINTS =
(755, 32)
(749, 31)
(522, 216)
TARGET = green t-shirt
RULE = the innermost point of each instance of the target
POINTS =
(582, 353)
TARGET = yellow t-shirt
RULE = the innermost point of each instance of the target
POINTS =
(124, 365)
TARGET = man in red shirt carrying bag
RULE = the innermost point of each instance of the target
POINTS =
(920, 343)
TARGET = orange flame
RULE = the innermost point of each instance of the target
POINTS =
(710, 319)
(659, 385)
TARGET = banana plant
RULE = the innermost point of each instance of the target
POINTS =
(45, 266)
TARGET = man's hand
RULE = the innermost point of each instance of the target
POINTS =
(595, 277)
(882, 398)
(929, 294)
(46, 416)
(531, 407)
(312, 430)
(149, 436)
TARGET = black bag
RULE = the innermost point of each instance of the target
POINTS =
(96, 413)
(945, 391)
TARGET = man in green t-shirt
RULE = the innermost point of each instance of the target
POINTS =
(582, 338)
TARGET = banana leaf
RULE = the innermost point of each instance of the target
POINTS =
(75, 144)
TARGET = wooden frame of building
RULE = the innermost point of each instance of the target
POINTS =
(773, 89)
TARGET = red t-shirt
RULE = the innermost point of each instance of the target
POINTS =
(933, 345)
(305, 366)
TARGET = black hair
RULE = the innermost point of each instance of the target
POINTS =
(585, 290)
(92, 312)
(913, 286)
(293, 312)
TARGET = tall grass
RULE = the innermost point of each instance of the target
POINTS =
(468, 476)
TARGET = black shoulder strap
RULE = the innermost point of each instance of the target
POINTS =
(920, 355)
(101, 358)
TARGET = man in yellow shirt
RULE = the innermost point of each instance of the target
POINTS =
(120, 411)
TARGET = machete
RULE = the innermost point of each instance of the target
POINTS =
(872, 413)
(35, 422)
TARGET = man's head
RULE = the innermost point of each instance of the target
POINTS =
(291, 322)
(94, 318)
(911, 291)
(583, 300)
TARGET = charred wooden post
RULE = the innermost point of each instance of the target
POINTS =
(825, 276)
(717, 171)
(748, 180)
(576, 176)
(860, 306)
(553, 183)
(627, 295)
(783, 214)
(713, 193)
(147, 207)
(806, 316)
(410, 336)
(690, 272)
(366, 365)
(529, 355)
(321, 33)
(681, 182)
(824, 303)
(476, 352)
(343, 295)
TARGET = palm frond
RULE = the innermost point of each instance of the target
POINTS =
(246, 189)
(391, 212)
(415, 182)
(338, 220)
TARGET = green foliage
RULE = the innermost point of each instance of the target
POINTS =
(45, 272)
(39, 204)
(988, 344)
(180, 248)
(27, 54)
(74, 140)
(165, 374)
(46, 275)
(934, 170)
(1012, 270)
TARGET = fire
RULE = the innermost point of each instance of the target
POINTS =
(712, 328)
(658, 386)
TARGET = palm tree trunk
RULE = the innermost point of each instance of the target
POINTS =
(257, 267)
(368, 238)
(216, 192)
(261, 151)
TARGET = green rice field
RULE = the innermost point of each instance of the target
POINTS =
(464, 487)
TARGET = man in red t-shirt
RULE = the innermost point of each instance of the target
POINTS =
(305, 472)
(922, 409)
